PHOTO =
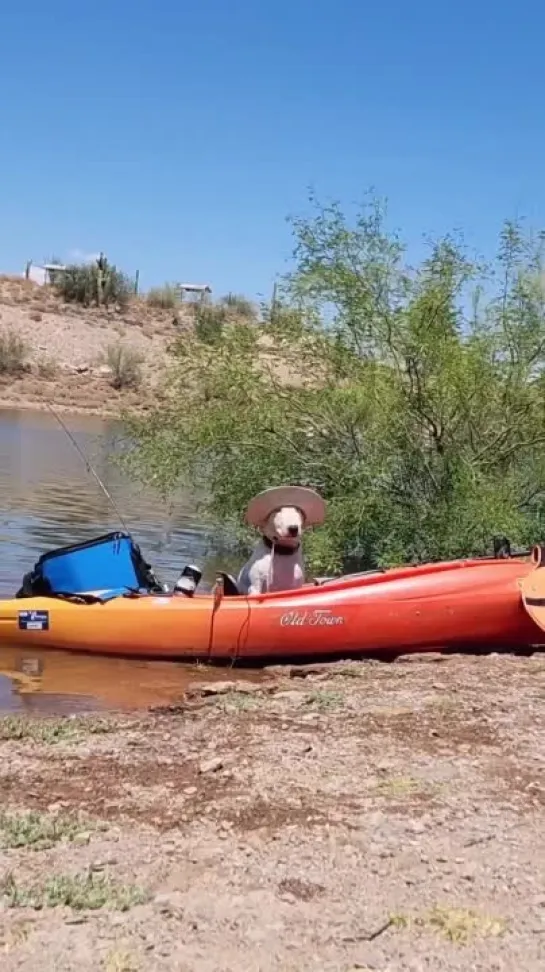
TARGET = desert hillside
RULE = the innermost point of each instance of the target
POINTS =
(79, 358)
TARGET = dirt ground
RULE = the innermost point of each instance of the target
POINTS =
(67, 344)
(362, 816)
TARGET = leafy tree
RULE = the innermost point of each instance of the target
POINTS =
(412, 399)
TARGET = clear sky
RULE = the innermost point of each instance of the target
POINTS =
(178, 136)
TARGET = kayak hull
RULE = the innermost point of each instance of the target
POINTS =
(472, 603)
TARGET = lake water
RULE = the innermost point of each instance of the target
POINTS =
(48, 499)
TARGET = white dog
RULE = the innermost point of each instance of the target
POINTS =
(281, 515)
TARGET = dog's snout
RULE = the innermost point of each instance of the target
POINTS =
(293, 531)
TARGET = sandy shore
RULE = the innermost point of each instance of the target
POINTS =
(364, 816)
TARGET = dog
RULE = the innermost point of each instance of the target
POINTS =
(281, 514)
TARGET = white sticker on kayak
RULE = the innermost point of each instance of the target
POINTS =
(34, 620)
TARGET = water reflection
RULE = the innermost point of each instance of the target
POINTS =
(59, 681)
(47, 499)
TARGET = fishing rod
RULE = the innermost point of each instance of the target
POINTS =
(88, 465)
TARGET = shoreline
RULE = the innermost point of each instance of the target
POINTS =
(64, 398)
(358, 815)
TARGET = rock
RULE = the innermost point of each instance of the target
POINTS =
(82, 839)
(416, 827)
(170, 903)
(291, 695)
(189, 790)
(222, 688)
(211, 765)
(81, 369)
(288, 897)
(103, 371)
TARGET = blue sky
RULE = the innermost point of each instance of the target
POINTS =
(178, 136)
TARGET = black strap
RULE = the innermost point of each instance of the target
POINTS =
(279, 548)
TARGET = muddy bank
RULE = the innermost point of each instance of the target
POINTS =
(364, 816)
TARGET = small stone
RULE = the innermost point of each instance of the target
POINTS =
(416, 827)
(169, 903)
(288, 897)
(211, 765)
(189, 790)
(81, 839)
(291, 695)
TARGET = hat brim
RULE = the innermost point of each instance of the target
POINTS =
(310, 503)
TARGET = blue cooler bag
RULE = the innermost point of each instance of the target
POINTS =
(105, 567)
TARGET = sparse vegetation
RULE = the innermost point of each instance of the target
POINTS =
(88, 891)
(125, 364)
(14, 935)
(51, 730)
(210, 321)
(239, 306)
(96, 283)
(458, 925)
(36, 830)
(47, 369)
(166, 297)
(240, 701)
(325, 699)
(461, 924)
(396, 787)
(121, 960)
(13, 353)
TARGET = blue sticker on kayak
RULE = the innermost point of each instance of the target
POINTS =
(34, 620)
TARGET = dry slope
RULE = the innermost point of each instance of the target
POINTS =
(66, 347)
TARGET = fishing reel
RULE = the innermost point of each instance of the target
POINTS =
(188, 581)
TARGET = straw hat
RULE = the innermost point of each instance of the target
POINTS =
(308, 501)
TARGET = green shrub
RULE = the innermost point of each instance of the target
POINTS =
(125, 364)
(13, 353)
(410, 397)
(209, 322)
(239, 305)
(96, 283)
(166, 297)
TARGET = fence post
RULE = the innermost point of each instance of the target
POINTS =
(273, 302)
(136, 279)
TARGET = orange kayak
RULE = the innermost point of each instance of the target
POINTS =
(469, 603)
